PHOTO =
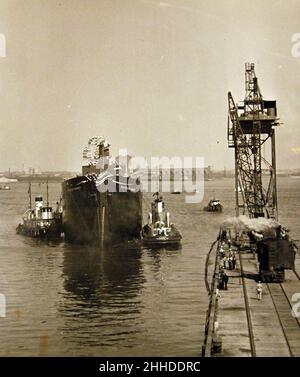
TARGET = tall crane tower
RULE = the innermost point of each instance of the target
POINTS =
(251, 132)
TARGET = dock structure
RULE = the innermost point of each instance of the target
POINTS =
(251, 131)
(239, 324)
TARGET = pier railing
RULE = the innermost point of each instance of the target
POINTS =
(210, 335)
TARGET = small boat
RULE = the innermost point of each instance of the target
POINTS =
(159, 231)
(214, 205)
(4, 187)
(41, 221)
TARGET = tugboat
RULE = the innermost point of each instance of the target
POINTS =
(159, 231)
(214, 205)
(41, 221)
(4, 187)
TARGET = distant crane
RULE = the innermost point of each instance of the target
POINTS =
(251, 128)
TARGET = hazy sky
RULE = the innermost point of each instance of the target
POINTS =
(151, 76)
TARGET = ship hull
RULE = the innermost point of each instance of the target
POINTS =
(217, 208)
(91, 217)
(161, 241)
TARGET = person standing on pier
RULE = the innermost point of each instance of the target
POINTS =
(221, 265)
(225, 259)
(225, 279)
(259, 290)
(233, 261)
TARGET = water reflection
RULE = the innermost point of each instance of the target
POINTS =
(157, 255)
(103, 286)
(94, 276)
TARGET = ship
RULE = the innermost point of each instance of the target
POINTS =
(214, 205)
(41, 221)
(93, 214)
(4, 187)
(159, 231)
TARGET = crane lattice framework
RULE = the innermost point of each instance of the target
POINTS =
(251, 132)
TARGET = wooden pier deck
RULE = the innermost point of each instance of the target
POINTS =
(251, 327)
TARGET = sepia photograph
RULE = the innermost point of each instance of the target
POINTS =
(149, 182)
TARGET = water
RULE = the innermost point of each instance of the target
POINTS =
(69, 300)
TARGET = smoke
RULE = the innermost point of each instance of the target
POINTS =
(267, 228)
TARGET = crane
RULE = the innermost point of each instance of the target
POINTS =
(251, 127)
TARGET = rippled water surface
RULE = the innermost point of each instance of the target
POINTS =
(73, 300)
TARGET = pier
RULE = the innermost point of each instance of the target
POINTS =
(238, 324)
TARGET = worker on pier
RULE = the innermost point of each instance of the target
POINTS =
(259, 290)
(225, 260)
(225, 279)
(233, 261)
(221, 281)
(221, 265)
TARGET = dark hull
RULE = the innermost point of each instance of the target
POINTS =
(159, 242)
(53, 232)
(213, 209)
(91, 217)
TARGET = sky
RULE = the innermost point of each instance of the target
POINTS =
(150, 76)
